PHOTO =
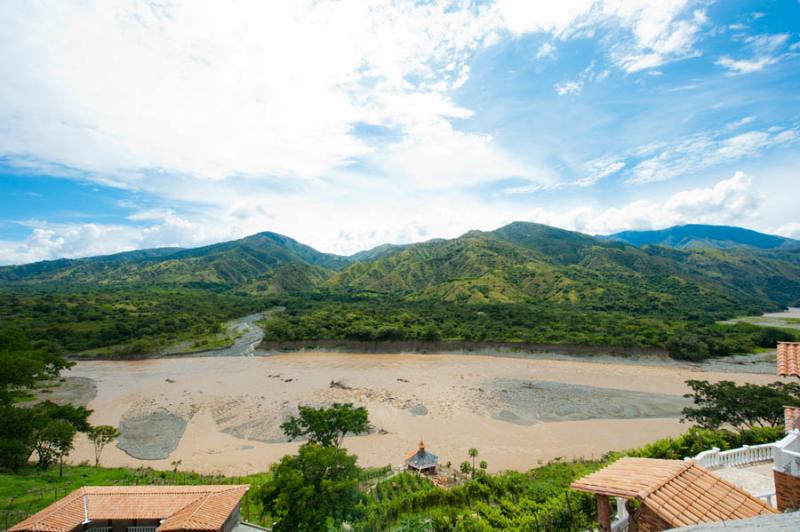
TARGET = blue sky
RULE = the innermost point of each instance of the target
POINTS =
(348, 124)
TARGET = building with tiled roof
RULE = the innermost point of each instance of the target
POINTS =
(670, 493)
(788, 356)
(786, 468)
(140, 509)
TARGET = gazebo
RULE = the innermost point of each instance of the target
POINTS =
(670, 494)
(421, 460)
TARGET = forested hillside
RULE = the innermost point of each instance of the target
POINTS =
(521, 283)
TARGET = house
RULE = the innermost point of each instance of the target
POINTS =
(140, 509)
(421, 460)
(786, 465)
(667, 494)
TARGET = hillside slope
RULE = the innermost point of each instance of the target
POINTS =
(228, 265)
(523, 262)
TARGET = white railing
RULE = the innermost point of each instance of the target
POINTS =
(100, 529)
(743, 456)
(141, 529)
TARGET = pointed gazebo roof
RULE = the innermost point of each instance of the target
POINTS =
(421, 459)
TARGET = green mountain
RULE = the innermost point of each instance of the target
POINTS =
(706, 236)
(279, 261)
(524, 262)
(521, 262)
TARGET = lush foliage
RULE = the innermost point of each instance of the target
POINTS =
(313, 489)
(740, 406)
(131, 321)
(327, 426)
(373, 319)
(45, 427)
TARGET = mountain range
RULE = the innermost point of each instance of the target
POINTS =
(706, 236)
(681, 267)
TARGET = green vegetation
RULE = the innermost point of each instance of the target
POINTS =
(100, 436)
(312, 490)
(118, 321)
(368, 319)
(740, 406)
(44, 427)
(523, 283)
(536, 500)
(327, 426)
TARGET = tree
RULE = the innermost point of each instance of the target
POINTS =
(101, 436)
(316, 487)
(327, 426)
(53, 427)
(740, 406)
(465, 467)
(473, 453)
(54, 442)
(21, 369)
(484, 465)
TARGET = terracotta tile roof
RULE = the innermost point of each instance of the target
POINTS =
(789, 359)
(631, 477)
(681, 493)
(209, 507)
(791, 414)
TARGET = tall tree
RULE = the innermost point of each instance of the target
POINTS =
(313, 489)
(473, 453)
(327, 426)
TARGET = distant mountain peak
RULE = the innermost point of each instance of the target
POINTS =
(705, 236)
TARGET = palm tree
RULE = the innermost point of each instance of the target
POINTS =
(473, 453)
(464, 467)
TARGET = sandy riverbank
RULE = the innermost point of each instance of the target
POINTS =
(223, 414)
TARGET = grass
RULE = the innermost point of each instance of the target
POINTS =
(28, 490)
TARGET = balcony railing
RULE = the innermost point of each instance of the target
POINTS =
(743, 456)
(141, 529)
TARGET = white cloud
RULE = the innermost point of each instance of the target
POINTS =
(435, 156)
(588, 74)
(746, 66)
(599, 169)
(650, 34)
(730, 201)
(790, 230)
(763, 50)
(50, 241)
(736, 124)
(212, 90)
(274, 90)
(704, 150)
(547, 49)
(568, 88)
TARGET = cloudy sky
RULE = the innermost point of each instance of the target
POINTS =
(350, 123)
